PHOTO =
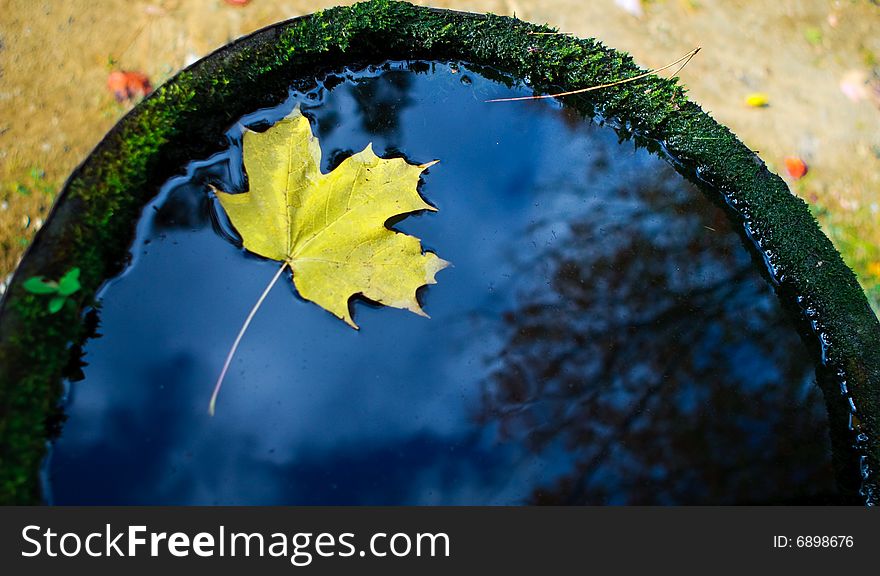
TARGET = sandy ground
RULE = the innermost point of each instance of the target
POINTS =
(817, 61)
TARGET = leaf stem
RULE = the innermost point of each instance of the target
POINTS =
(241, 332)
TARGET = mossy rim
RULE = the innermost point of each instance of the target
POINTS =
(92, 222)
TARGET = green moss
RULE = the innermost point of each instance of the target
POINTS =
(92, 224)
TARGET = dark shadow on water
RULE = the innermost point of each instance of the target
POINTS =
(380, 103)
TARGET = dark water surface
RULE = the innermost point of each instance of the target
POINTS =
(604, 337)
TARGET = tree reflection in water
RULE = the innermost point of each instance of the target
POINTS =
(380, 103)
(649, 347)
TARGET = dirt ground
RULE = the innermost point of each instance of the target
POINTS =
(817, 62)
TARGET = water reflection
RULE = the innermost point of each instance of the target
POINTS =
(603, 337)
(649, 349)
(380, 103)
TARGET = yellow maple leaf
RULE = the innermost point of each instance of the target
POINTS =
(330, 228)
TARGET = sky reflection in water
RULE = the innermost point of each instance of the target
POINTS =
(604, 337)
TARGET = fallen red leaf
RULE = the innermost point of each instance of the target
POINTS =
(238, 2)
(126, 85)
(796, 167)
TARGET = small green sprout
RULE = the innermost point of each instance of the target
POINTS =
(813, 35)
(38, 183)
(60, 290)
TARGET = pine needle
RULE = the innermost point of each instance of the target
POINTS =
(683, 61)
